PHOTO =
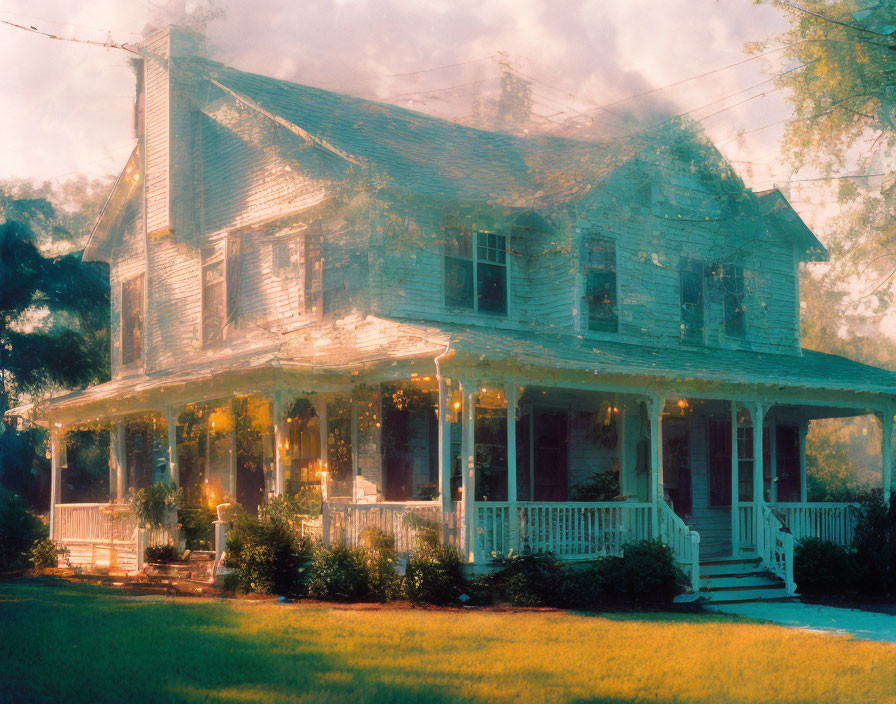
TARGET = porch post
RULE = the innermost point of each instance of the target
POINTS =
(773, 459)
(445, 498)
(735, 485)
(513, 528)
(757, 412)
(279, 438)
(57, 461)
(468, 468)
(173, 468)
(655, 410)
(118, 459)
(804, 492)
(887, 452)
(354, 438)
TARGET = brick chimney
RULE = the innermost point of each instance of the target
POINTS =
(166, 97)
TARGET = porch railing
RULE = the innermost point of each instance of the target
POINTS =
(569, 530)
(777, 548)
(685, 543)
(93, 523)
(828, 521)
(345, 523)
(746, 524)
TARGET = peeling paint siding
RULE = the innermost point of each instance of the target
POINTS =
(157, 115)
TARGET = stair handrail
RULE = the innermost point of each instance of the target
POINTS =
(777, 548)
(684, 541)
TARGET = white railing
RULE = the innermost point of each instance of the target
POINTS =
(828, 521)
(777, 548)
(569, 530)
(93, 523)
(746, 525)
(685, 543)
(344, 523)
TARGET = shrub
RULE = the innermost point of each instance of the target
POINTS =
(292, 509)
(153, 504)
(646, 573)
(197, 527)
(434, 574)
(383, 581)
(529, 579)
(266, 556)
(19, 528)
(822, 567)
(875, 547)
(602, 486)
(338, 573)
(45, 554)
(161, 553)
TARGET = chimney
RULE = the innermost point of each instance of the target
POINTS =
(169, 87)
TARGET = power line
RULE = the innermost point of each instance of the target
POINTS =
(820, 16)
(108, 44)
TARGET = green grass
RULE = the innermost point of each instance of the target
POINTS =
(68, 642)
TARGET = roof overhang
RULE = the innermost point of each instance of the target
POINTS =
(99, 243)
(777, 209)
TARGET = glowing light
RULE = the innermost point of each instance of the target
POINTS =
(683, 403)
(457, 405)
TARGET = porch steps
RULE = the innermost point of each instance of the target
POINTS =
(738, 579)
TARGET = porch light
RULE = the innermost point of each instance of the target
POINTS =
(682, 403)
(484, 390)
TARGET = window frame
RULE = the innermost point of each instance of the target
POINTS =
(474, 259)
(121, 328)
(584, 307)
(684, 337)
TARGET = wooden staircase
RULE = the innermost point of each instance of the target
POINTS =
(728, 580)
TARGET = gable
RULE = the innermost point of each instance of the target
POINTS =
(107, 231)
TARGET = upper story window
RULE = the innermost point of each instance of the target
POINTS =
(132, 319)
(314, 271)
(220, 291)
(732, 281)
(476, 280)
(692, 276)
(600, 299)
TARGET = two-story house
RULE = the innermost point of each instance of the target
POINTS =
(536, 343)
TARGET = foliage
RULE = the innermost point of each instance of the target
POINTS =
(383, 581)
(646, 572)
(529, 579)
(875, 547)
(338, 573)
(434, 574)
(161, 553)
(292, 509)
(266, 556)
(45, 554)
(197, 527)
(602, 486)
(842, 458)
(823, 567)
(19, 528)
(152, 505)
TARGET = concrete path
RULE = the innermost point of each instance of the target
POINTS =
(859, 624)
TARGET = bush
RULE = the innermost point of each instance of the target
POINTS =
(153, 504)
(646, 573)
(44, 553)
(875, 548)
(197, 527)
(338, 573)
(161, 553)
(602, 486)
(19, 528)
(434, 573)
(266, 556)
(383, 581)
(823, 567)
(529, 579)
(292, 509)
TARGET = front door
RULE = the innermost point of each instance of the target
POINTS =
(677, 464)
(551, 442)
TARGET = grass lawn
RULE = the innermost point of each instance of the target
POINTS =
(68, 642)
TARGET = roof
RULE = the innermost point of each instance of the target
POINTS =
(774, 206)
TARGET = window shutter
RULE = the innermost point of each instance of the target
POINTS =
(232, 279)
(314, 265)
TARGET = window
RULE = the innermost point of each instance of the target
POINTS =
(480, 282)
(692, 281)
(132, 320)
(284, 256)
(732, 278)
(314, 272)
(599, 266)
(220, 292)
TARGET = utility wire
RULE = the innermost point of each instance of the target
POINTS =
(108, 44)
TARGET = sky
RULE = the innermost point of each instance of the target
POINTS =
(67, 106)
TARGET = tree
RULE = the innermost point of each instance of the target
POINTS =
(54, 315)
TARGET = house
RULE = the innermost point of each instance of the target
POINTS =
(533, 343)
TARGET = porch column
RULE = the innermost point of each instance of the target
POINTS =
(173, 469)
(887, 452)
(354, 440)
(757, 414)
(279, 439)
(655, 406)
(468, 468)
(803, 432)
(735, 485)
(445, 498)
(57, 462)
(512, 398)
(773, 458)
(118, 459)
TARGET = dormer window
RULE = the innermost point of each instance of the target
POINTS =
(732, 278)
(692, 277)
(476, 282)
(600, 302)
(132, 319)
